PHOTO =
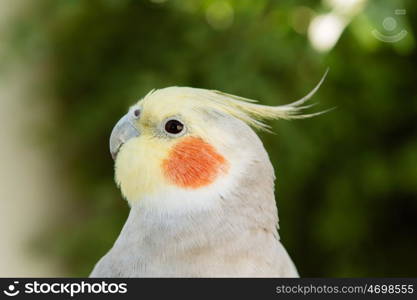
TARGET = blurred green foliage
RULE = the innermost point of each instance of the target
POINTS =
(346, 181)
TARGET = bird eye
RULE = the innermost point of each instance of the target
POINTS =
(174, 126)
(136, 113)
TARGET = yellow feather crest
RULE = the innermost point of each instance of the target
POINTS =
(244, 109)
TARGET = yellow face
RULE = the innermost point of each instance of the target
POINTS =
(138, 166)
(170, 149)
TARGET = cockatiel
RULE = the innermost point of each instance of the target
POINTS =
(200, 186)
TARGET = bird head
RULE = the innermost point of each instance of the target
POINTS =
(185, 147)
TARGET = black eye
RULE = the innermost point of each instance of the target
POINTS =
(136, 113)
(174, 126)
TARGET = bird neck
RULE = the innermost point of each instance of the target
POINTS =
(241, 203)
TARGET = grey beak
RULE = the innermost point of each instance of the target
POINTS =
(123, 131)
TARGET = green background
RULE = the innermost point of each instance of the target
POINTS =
(346, 180)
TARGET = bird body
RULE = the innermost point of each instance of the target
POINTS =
(201, 188)
(152, 245)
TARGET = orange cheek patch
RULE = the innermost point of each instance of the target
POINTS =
(193, 163)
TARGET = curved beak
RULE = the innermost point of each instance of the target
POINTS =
(123, 131)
